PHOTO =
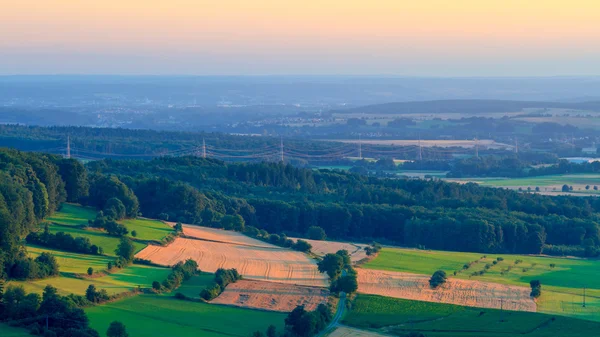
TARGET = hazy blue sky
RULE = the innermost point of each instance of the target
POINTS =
(430, 37)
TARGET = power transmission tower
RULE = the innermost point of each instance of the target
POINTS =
(203, 148)
(516, 145)
(282, 159)
(476, 147)
(68, 147)
(420, 157)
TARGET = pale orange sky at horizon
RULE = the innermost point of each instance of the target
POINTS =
(461, 37)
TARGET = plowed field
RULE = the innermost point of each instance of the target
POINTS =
(357, 251)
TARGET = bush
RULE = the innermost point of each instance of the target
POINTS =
(536, 288)
(222, 278)
(316, 233)
(302, 246)
(437, 279)
(90, 271)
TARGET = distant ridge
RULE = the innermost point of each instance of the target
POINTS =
(467, 106)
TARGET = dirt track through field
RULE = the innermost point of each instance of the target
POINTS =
(357, 251)
(344, 331)
(454, 291)
(271, 296)
(257, 263)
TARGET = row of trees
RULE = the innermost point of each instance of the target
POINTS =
(64, 241)
(223, 277)
(60, 314)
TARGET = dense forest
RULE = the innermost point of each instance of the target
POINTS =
(283, 198)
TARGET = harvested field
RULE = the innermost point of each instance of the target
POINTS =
(219, 235)
(344, 331)
(454, 291)
(257, 263)
(357, 251)
(482, 143)
(271, 296)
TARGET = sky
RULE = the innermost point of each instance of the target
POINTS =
(293, 37)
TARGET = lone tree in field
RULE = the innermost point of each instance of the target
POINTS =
(125, 249)
(90, 271)
(565, 188)
(316, 233)
(536, 288)
(332, 264)
(117, 329)
(437, 279)
(178, 227)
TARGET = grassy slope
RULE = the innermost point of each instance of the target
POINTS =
(70, 217)
(152, 315)
(73, 263)
(435, 319)
(561, 285)
(9, 331)
(192, 287)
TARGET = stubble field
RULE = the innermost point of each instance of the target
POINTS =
(256, 263)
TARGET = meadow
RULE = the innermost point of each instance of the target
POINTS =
(550, 184)
(563, 279)
(9, 331)
(398, 317)
(70, 218)
(71, 264)
(159, 316)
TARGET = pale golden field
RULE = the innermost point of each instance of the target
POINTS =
(271, 296)
(219, 235)
(319, 247)
(256, 263)
(454, 291)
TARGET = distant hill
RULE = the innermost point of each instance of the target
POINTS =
(466, 106)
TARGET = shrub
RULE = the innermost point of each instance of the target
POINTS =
(316, 233)
(437, 279)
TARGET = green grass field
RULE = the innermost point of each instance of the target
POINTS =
(73, 263)
(70, 217)
(159, 316)
(398, 317)
(97, 237)
(547, 184)
(73, 215)
(9, 331)
(192, 287)
(562, 285)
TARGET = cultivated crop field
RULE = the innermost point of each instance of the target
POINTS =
(454, 291)
(398, 317)
(257, 263)
(550, 185)
(431, 143)
(219, 235)
(171, 317)
(562, 283)
(319, 247)
(271, 296)
(192, 287)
